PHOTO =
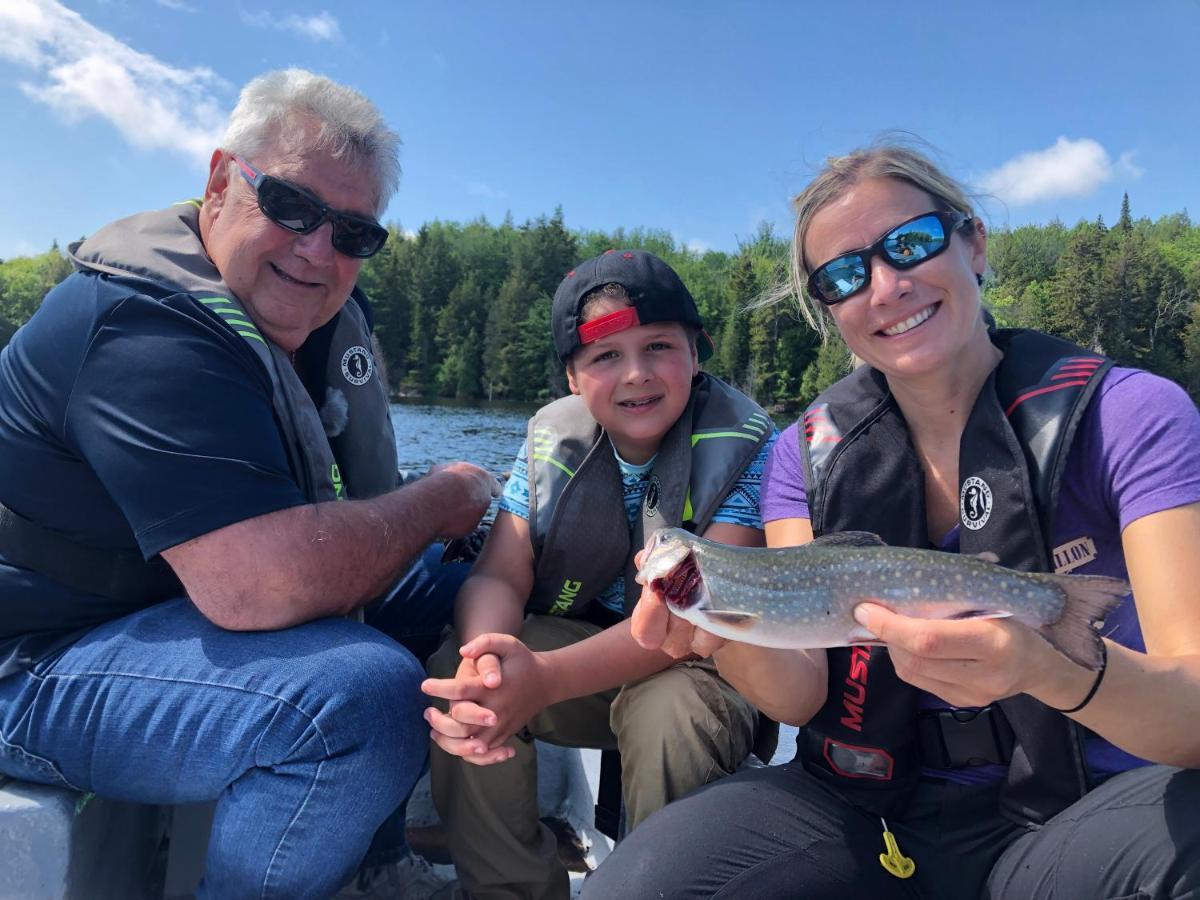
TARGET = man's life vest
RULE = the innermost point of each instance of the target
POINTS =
(862, 474)
(577, 520)
(351, 454)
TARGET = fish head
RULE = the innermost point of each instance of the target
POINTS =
(669, 567)
(665, 550)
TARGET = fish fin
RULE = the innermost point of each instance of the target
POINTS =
(849, 539)
(980, 614)
(988, 556)
(1090, 600)
(732, 618)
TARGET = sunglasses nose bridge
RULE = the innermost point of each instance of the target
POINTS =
(315, 245)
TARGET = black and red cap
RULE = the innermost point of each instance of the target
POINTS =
(658, 294)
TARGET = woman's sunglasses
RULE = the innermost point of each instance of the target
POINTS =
(907, 245)
(299, 211)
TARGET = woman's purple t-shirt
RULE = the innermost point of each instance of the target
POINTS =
(1134, 454)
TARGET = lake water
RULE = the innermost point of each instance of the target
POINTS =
(487, 434)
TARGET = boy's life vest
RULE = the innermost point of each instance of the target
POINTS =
(862, 474)
(160, 254)
(577, 520)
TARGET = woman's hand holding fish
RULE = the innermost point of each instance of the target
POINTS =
(974, 662)
(654, 628)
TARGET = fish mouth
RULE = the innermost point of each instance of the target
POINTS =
(680, 587)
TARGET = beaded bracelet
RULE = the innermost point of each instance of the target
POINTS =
(1095, 684)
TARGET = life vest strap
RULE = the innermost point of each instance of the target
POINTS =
(957, 738)
(116, 574)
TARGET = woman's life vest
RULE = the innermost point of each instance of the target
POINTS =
(862, 474)
(577, 520)
(352, 453)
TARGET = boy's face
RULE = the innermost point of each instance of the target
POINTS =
(636, 383)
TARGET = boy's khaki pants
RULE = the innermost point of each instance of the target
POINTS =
(676, 730)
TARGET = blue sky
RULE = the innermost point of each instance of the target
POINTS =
(700, 118)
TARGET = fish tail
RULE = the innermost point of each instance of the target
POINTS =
(1089, 601)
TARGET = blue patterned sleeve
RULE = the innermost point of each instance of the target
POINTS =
(515, 498)
(740, 506)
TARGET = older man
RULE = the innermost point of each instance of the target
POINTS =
(198, 479)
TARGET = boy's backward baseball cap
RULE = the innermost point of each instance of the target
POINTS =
(658, 294)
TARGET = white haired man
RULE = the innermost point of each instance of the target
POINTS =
(199, 485)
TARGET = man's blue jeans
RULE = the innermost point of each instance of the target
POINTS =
(308, 738)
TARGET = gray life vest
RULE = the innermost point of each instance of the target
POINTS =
(161, 253)
(577, 520)
(357, 456)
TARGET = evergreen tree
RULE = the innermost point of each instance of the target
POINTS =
(735, 336)
(1072, 310)
(435, 273)
(832, 363)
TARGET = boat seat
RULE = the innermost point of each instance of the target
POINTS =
(59, 843)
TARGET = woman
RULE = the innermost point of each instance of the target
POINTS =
(998, 767)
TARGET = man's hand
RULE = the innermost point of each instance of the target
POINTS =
(469, 491)
(493, 714)
(655, 628)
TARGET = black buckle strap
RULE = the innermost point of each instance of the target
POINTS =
(117, 574)
(956, 738)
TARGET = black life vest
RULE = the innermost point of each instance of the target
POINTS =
(577, 521)
(862, 474)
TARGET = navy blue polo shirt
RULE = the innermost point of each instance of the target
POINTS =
(130, 418)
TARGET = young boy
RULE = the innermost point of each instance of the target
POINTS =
(646, 441)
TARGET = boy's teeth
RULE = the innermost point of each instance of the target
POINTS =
(909, 323)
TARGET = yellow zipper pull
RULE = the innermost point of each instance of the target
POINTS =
(900, 866)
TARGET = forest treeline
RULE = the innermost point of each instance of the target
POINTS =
(463, 310)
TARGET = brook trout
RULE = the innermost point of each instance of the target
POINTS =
(804, 597)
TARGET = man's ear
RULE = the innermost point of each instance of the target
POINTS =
(571, 378)
(218, 181)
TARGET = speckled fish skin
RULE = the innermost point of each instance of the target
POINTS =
(804, 597)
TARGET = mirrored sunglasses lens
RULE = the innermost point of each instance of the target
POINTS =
(840, 278)
(286, 206)
(916, 241)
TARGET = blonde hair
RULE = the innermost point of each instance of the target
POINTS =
(839, 175)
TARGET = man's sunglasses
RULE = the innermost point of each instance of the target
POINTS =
(297, 210)
(907, 245)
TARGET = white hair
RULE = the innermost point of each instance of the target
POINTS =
(280, 109)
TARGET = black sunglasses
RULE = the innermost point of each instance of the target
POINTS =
(907, 245)
(299, 211)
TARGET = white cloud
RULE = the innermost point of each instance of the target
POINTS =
(81, 71)
(1067, 169)
(177, 5)
(480, 189)
(321, 27)
(1126, 165)
(698, 246)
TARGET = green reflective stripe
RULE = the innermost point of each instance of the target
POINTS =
(251, 334)
(213, 299)
(750, 426)
(541, 457)
(233, 321)
(688, 512)
(760, 418)
(696, 438)
(192, 202)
